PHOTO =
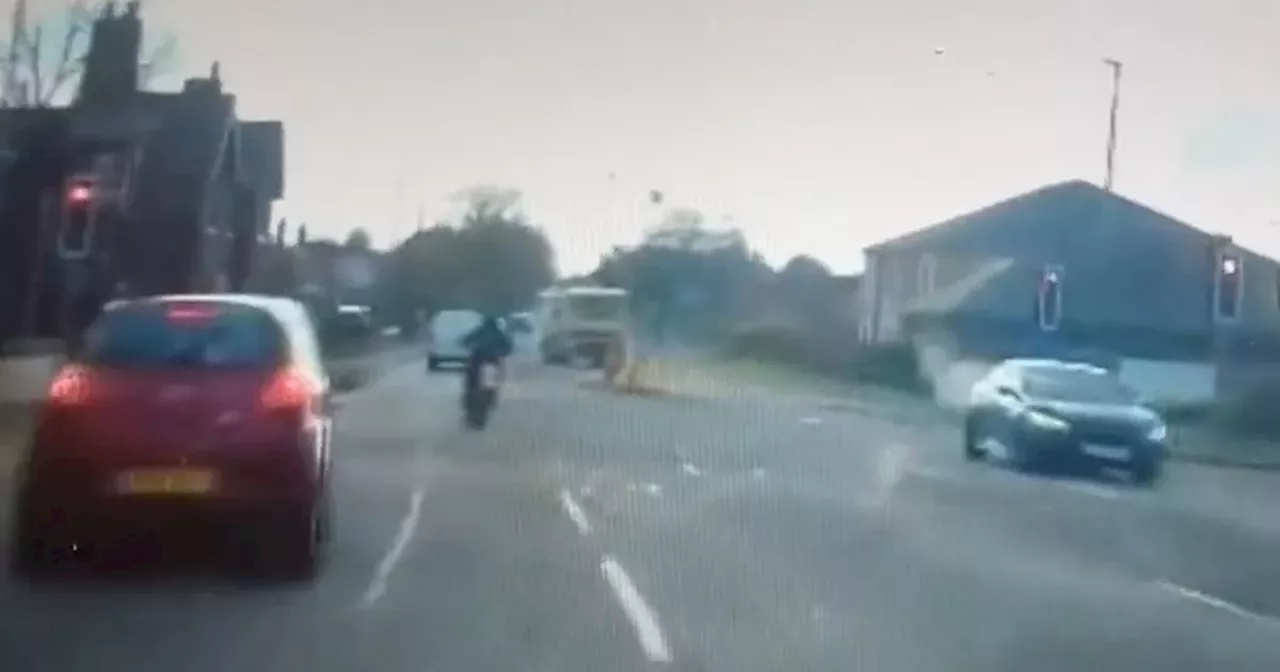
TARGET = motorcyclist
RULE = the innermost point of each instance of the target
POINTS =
(488, 343)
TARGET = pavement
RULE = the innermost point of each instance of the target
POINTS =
(593, 531)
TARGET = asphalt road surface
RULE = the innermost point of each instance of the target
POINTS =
(587, 531)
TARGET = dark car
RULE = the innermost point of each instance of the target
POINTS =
(1045, 414)
(182, 414)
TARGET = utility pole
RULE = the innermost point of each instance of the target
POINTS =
(1116, 68)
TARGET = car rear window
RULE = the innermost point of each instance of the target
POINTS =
(192, 335)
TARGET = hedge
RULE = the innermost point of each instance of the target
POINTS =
(829, 352)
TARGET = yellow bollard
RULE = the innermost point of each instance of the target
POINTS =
(617, 357)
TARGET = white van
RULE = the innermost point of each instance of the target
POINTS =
(444, 344)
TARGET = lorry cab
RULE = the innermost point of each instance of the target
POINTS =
(580, 322)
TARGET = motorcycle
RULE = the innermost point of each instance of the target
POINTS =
(481, 395)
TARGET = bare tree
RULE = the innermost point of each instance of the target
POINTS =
(46, 60)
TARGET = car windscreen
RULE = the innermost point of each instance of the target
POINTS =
(452, 324)
(601, 307)
(1079, 386)
(205, 335)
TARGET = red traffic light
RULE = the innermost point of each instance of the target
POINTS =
(79, 194)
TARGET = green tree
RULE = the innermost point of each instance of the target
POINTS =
(687, 278)
(491, 258)
(358, 239)
(807, 288)
(504, 259)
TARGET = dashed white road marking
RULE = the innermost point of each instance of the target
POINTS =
(575, 513)
(811, 420)
(690, 469)
(408, 525)
(638, 611)
(1218, 603)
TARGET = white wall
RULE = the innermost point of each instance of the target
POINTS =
(1170, 382)
(1158, 382)
(26, 378)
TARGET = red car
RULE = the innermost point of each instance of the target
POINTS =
(183, 413)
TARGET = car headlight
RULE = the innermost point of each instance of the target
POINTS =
(1158, 432)
(1046, 422)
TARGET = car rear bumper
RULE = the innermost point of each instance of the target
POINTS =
(82, 493)
(126, 522)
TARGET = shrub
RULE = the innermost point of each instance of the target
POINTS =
(783, 344)
(889, 364)
(829, 352)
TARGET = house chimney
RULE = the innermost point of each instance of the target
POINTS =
(111, 64)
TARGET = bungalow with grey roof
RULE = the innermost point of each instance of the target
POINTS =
(1071, 270)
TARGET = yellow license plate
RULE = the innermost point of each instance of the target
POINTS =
(166, 482)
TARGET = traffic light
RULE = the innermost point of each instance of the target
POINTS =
(78, 221)
(1230, 282)
(1049, 299)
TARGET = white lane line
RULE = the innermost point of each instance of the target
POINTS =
(642, 617)
(378, 587)
(1218, 603)
(575, 513)
(690, 469)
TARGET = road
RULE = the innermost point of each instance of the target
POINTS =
(587, 531)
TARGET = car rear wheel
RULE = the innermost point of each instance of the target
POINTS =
(297, 541)
(31, 554)
(28, 558)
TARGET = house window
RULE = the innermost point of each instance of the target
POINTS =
(1049, 299)
(1228, 287)
(926, 274)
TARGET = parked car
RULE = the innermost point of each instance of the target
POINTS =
(1044, 414)
(445, 334)
(183, 414)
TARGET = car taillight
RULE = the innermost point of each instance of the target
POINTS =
(287, 390)
(72, 386)
(186, 313)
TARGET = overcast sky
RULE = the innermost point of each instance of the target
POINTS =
(819, 126)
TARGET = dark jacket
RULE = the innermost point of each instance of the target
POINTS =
(488, 341)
